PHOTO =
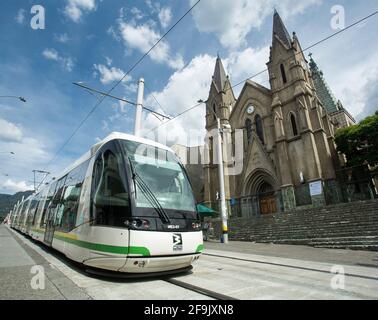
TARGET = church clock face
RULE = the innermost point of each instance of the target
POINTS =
(250, 109)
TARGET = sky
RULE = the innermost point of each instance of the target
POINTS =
(97, 41)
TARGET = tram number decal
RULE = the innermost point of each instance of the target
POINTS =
(177, 242)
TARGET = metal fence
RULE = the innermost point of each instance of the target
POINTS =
(351, 184)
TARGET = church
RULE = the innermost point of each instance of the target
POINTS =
(289, 154)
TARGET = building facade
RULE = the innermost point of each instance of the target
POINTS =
(289, 154)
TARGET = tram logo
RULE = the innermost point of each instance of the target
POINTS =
(177, 242)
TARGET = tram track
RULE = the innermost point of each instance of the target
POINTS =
(288, 266)
(203, 291)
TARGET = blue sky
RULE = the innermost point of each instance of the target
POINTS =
(97, 41)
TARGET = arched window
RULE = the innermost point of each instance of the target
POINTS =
(293, 124)
(259, 128)
(248, 126)
(215, 111)
(283, 74)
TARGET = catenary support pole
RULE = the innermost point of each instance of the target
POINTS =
(139, 107)
(221, 184)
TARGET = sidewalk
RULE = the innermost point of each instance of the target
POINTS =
(336, 256)
(16, 262)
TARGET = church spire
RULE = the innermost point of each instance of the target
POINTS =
(280, 30)
(219, 76)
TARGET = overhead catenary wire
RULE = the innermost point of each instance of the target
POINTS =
(265, 70)
(101, 93)
(156, 100)
(120, 81)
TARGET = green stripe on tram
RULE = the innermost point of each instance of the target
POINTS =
(200, 248)
(104, 247)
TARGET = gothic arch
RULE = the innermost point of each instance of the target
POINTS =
(258, 180)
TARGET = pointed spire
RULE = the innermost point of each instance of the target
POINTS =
(219, 76)
(280, 30)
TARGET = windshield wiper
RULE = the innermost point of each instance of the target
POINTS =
(149, 194)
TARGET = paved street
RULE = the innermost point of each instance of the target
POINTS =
(238, 270)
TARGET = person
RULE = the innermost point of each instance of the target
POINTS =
(205, 230)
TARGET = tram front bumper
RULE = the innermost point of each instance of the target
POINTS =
(158, 264)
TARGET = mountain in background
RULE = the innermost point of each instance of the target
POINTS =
(8, 201)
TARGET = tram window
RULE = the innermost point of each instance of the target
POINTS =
(110, 198)
(69, 203)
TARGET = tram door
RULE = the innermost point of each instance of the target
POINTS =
(51, 211)
(50, 228)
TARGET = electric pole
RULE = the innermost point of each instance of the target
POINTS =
(139, 107)
(222, 192)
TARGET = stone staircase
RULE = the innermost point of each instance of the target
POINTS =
(349, 225)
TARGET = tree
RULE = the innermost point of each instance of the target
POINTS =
(359, 143)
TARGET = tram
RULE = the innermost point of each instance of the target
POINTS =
(126, 206)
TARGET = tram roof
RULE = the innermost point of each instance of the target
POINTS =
(110, 137)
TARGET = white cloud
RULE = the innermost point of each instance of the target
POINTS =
(9, 132)
(20, 17)
(137, 14)
(232, 21)
(62, 38)
(246, 63)
(183, 89)
(109, 61)
(371, 94)
(110, 74)
(192, 83)
(51, 54)
(165, 17)
(29, 153)
(75, 8)
(143, 37)
(356, 86)
(13, 186)
(66, 62)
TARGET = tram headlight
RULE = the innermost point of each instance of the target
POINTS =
(138, 224)
(196, 225)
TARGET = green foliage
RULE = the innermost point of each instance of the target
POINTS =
(359, 143)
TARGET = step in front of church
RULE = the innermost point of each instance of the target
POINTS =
(344, 226)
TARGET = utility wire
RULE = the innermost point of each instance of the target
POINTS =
(118, 82)
(265, 70)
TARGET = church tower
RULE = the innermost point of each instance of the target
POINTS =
(301, 123)
(221, 97)
(218, 105)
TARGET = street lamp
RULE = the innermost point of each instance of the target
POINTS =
(19, 98)
(221, 176)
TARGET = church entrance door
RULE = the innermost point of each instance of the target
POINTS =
(267, 198)
(268, 204)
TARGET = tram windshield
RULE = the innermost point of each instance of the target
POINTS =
(161, 171)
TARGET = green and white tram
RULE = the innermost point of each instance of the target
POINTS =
(126, 206)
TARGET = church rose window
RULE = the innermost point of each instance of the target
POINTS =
(259, 128)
